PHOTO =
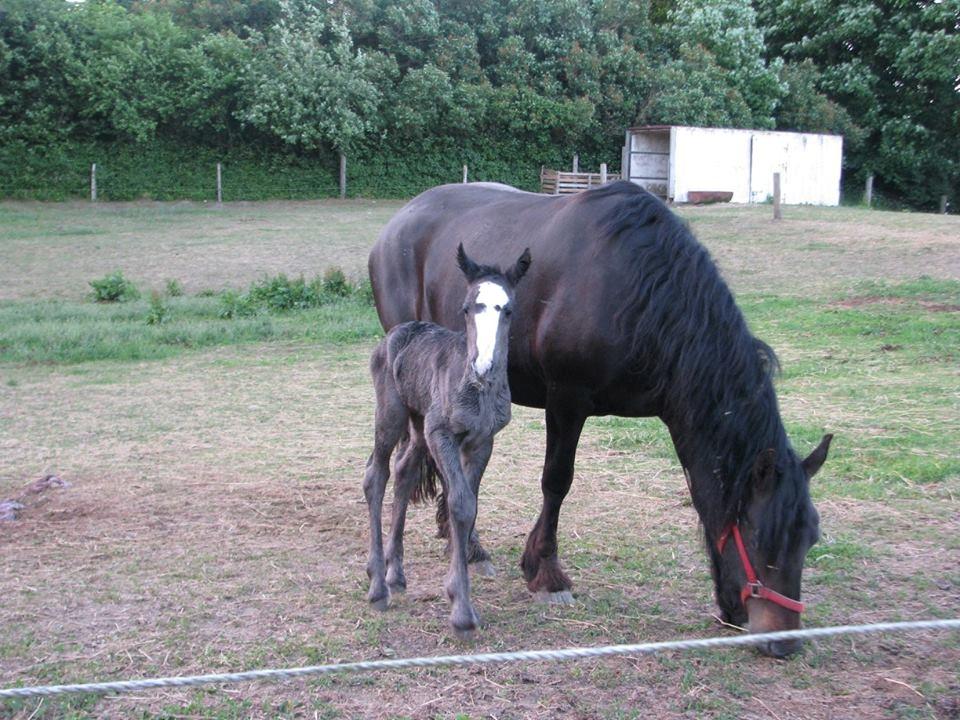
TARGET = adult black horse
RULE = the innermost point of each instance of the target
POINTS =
(624, 313)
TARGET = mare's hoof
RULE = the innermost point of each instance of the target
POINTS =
(484, 568)
(380, 604)
(563, 597)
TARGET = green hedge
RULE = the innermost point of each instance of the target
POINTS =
(169, 170)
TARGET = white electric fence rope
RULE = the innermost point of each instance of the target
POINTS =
(485, 658)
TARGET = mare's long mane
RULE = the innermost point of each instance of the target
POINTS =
(689, 338)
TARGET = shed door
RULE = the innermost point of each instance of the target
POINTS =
(769, 153)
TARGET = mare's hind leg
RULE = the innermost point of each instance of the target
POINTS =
(541, 565)
(407, 474)
(391, 421)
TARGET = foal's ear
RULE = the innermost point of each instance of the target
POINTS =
(765, 470)
(468, 266)
(520, 269)
(815, 459)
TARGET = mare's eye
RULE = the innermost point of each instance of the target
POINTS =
(466, 309)
(508, 312)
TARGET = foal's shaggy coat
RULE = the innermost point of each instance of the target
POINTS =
(448, 392)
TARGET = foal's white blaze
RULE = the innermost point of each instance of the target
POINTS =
(494, 298)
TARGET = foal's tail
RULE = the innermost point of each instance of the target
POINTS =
(426, 489)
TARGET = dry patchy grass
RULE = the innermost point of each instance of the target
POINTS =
(215, 522)
(54, 250)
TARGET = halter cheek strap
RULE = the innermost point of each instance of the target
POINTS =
(754, 588)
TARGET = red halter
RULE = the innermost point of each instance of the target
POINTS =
(754, 588)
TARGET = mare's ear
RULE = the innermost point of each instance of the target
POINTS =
(815, 459)
(468, 266)
(520, 269)
(765, 470)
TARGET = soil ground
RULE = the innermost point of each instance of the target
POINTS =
(214, 519)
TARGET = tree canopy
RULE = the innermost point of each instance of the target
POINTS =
(397, 77)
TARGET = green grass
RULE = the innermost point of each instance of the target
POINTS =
(889, 363)
(74, 332)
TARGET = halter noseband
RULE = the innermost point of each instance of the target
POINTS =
(754, 588)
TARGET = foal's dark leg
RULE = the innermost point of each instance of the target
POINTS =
(476, 553)
(565, 416)
(406, 476)
(391, 421)
(462, 506)
(474, 461)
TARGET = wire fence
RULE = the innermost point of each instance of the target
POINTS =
(483, 659)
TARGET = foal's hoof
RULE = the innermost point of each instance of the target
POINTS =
(382, 604)
(465, 634)
(484, 568)
(563, 597)
(465, 623)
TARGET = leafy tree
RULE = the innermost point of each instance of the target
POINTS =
(128, 70)
(213, 84)
(39, 66)
(236, 17)
(310, 87)
(893, 67)
(727, 32)
(690, 90)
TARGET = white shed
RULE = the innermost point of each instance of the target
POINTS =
(671, 161)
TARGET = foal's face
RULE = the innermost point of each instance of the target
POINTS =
(487, 310)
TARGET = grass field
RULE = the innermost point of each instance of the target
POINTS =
(214, 518)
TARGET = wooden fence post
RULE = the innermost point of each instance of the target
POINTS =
(93, 183)
(943, 204)
(777, 215)
(868, 193)
(603, 173)
(576, 162)
(219, 185)
(343, 176)
(464, 173)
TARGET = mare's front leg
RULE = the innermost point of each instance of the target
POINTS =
(565, 413)
(462, 513)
